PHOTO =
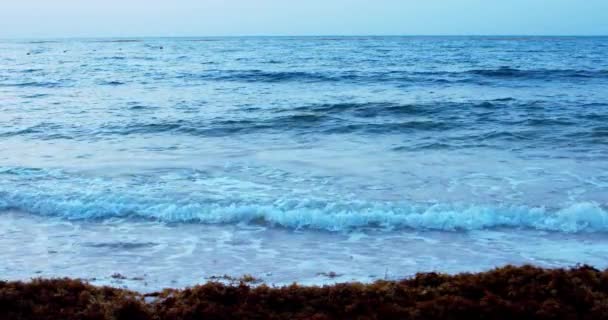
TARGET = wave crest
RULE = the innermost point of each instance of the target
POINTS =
(318, 215)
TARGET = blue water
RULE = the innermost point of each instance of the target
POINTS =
(451, 138)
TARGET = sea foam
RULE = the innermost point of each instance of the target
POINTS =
(316, 214)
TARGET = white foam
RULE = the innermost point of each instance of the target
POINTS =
(317, 214)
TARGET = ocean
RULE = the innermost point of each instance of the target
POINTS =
(165, 162)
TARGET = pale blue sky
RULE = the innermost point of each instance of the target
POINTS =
(90, 18)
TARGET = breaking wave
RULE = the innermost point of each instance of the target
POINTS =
(335, 216)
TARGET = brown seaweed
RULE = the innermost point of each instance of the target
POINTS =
(506, 293)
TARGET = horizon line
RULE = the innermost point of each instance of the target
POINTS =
(300, 36)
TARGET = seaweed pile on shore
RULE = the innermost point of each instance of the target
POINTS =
(505, 293)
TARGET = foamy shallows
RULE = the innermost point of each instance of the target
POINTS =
(308, 159)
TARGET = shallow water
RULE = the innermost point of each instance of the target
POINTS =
(149, 256)
(289, 157)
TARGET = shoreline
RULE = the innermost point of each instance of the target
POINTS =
(122, 253)
(503, 293)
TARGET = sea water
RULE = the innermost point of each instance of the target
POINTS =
(308, 159)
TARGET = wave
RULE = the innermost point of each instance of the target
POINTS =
(335, 216)
(265, 76)
(117, 41)
(42, 131)
(391, 128)
(111, 83)
(38, 84)
(399, 78)
(395, 76)
(323, 123)
(508, 72)
(487, 124)
(372, 109)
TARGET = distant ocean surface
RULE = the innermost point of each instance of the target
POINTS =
(288, 158)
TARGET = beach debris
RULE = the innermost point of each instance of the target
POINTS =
(510, 292)
(330, 274)
(118, 276)
(247, 278)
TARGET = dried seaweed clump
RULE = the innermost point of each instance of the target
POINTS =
(506, 293)
(69, 299)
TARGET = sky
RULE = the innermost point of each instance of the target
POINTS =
(129, 18)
